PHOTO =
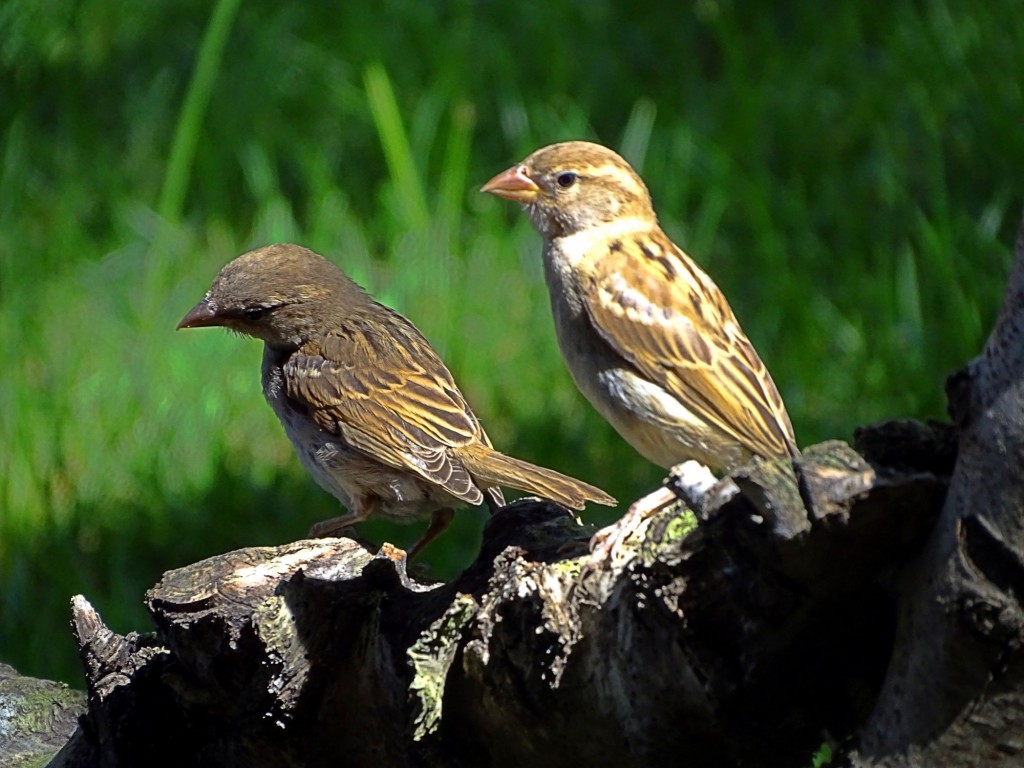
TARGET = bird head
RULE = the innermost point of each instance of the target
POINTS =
(568, 187)
(281, 294)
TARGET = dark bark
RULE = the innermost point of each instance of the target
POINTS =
(740, 639)
(953, 695)
(847, 596)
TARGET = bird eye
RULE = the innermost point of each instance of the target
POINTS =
(255, 313)
(566, 179)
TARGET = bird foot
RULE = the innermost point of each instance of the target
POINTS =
(607, 542)
(690, 482)
(331, 528)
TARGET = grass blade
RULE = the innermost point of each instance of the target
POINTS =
(395, 142)
(197, 97)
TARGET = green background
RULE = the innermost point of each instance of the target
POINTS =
(849, 173)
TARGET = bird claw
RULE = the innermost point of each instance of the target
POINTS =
(607, 542)
(331, 528)
(689, 482)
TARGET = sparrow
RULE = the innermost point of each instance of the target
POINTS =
(647, 336)
(371, 409)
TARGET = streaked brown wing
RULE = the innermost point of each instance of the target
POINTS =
(649, 302)
(381, 385)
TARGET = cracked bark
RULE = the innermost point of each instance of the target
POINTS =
(36, 717)
(847, 596)
(726, 640)
(953, 695)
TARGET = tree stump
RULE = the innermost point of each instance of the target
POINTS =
(36, 717)
(740, 638)
(868, 598)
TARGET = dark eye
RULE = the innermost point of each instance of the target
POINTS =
(566, 179)
(255, 313)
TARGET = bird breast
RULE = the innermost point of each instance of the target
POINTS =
(655, 422)
(346, 472)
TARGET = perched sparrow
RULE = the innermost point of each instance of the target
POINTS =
(648, 337)
(371, 409)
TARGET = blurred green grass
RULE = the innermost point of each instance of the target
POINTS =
(848, 174)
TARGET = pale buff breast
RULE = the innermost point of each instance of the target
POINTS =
(658, 426)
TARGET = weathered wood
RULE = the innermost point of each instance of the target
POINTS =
(737, 639)
(36, 717)
(953, 695)
(870, 597)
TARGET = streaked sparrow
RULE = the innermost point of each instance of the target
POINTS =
(648, 338)
(371, 409)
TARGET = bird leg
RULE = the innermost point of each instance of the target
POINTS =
(438, 522)
(362, 508)
(607, 540)
(688, 482)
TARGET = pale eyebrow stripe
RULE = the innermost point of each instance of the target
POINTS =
(625, 179)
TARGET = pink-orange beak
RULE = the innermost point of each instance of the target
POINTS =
(513, 184)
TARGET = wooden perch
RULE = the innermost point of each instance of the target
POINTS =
(845, 597)
(953, 695)
(740, 639)
(36, 717)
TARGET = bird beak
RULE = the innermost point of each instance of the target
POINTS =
(201, 315)
(513, 184)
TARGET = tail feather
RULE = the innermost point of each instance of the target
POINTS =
(494, 468)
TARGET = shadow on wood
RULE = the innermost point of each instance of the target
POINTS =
(739, 639)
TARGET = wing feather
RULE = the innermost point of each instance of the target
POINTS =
(379, 384)
(658, 310)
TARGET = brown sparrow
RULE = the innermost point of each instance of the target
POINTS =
(648, 338)
(371, 409)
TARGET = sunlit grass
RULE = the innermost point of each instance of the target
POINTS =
(850, 183)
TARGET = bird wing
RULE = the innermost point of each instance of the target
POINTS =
(380, 385)
(658, 309)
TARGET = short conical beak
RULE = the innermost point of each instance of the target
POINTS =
(201, 315)
(513, 184)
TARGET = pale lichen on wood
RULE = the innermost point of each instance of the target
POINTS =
(294, 655)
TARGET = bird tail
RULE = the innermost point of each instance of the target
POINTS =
(496, 468)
